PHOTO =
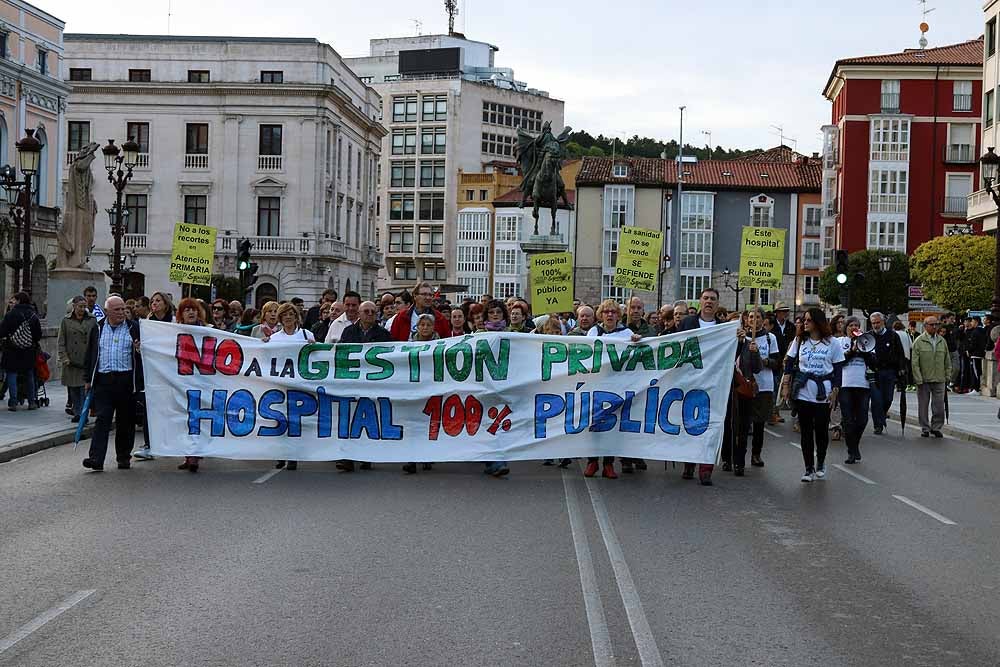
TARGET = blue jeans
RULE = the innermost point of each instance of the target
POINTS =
(29, 377)
(882, 394)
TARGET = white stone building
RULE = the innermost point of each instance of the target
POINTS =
(273, 139)
(448, 107)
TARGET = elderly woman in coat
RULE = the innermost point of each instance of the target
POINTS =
(74, 332)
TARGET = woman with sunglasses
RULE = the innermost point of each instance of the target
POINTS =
(220, 315)
(815, 361)
(191, 313)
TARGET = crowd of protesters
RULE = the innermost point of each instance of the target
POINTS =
(810, 366)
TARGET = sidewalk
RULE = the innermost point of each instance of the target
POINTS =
(972, 418)
(28, 431)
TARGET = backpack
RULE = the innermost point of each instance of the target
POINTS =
(22, 339)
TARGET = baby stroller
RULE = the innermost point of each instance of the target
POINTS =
(42, 375)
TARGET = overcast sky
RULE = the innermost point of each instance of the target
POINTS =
(622, 67)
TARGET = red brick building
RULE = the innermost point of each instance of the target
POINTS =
(899, 157)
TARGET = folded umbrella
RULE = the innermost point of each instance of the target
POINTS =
(84, 411)
(902, 410)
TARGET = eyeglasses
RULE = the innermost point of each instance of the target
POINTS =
(217, 308)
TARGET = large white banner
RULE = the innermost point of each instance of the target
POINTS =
(486, 397)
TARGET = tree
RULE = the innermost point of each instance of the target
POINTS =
(956, 271)
(870, 289)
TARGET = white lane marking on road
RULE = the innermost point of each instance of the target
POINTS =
(649, 653)
(795, 444)
(774, 433)
(43, 618)
(929, 512)
(600, 638)
(268, 475)
(853, 474)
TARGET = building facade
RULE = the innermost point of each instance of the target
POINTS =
(32, 96)
(719, 198)
(981, 207)
(900, 152)
(272, 139)
(448, 108)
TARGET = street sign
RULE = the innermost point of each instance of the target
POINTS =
(638, 263)
(918, 302)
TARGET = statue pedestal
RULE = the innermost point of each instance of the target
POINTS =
(64, 284)
(540, 243)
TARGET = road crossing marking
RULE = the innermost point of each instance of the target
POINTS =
(600, 638)
(37, 622)
(854, 474)
(929, 512)
(795, 444)
(268, 475)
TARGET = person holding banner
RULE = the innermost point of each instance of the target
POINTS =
(756, 410)
(459, 325)
(424, 333)
(191, 313)
(268, 321)
(290, 317)
(584, 321)
(815, 362)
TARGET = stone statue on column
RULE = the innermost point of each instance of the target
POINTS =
(76, 236)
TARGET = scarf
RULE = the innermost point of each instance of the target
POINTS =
(495, 326)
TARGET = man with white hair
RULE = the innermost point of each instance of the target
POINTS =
(584, 321)
(889, 362)
(114, 370)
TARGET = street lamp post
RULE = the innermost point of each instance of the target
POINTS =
(990, 164)
(119, 163)
(19, 194)
(726, 275)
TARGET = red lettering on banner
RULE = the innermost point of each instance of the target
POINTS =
(188, 356)
(229, 357)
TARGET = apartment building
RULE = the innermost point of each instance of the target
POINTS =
(272, 139)
(982, 209)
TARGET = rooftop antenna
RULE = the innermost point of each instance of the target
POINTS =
(708, 133)
(781, 134)
(451, 6)
(924, 11)
(417, 25)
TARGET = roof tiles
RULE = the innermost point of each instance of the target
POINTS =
(717, 174)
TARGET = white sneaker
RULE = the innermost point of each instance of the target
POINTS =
(143, 454)
(973, 393)
(808, 476)
(821, 472)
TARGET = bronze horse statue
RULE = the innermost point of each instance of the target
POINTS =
(541, 160)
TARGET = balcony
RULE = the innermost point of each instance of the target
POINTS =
(957, 207)
(887, 204)
(980, 205)
(831, 160)
(810, 263)
(269, 163)
(142, 162)
(133, 241)
(959, 154)
(273, 246)
(812, 229)
(196, 161)
(832, 207)
(374, 258)
(890, 102)
(962, 103)
(71, 157)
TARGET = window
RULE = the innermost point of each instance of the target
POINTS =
(3, 44)
(958, 187)
(484, 195)
(962, 96)
(42, 61)
(270, 140)
(402, 174)
(404, 271)
(472, 259)
(268, 216)
(433, 141)
(140, 75)
(829, 241)
(432, 174)
(474, 226)
(764, 296)
(508, 228)
(401, 239)
(988, 109)
(431, 240)
(435, 108)
(960, 143)
(198, 76)
(79, 74)
(693, 285)
(697, 213)
(470, 195)
(506, 115)
(991, 37)
(813, 221)
(888, 192)
(404, 109)
(891, 139)
(498, 144)
(812, 252)
(887, 235)
(401, 207)
(761, 211)
(195, 209)
(197, 139)
(329, 151)
(507, 261)
(811, 286)
(404, 142)
(890, 96)
(272, 76)
(506, 288)
(138, 132)
(610, 291)
(79, 135)
(135, 205)
(350, 163)
(435, 271)
(619, 201)
(432, 206)
(620, 171)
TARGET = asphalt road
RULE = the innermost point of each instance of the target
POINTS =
(154, 566)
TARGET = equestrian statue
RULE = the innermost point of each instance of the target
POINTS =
(541, 159)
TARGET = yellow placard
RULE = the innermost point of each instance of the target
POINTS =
(551, 278)
(762, 257)
(638, 264)
(193, 254)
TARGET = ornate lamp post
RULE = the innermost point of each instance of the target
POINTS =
(114, 160)
(19, 195)
(990, 163)
(726, 275)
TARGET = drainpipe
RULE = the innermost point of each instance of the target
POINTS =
(930, 222)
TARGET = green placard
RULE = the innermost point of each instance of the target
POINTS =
(762, 257)
(551, 278)
(193, 254)
(638, 264)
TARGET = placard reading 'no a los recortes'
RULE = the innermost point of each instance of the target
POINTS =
(638, 264)
(762, 257)
(551, 278)
(193, 254)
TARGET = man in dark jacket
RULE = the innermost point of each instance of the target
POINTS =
(20, 332)
(889, 363)
(313, 314)
(114, 370)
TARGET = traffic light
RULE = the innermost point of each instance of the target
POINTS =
(250, 275)
(243, 254)
(842, 268)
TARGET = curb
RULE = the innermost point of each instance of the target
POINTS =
(25, 447)
(959, 434)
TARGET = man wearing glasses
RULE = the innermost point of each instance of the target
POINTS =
(931, 363)
(404, 322)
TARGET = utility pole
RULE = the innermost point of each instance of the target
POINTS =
(675, 233)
